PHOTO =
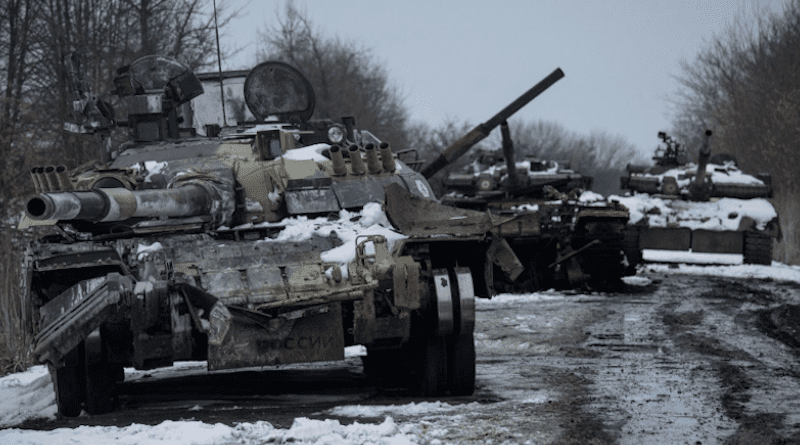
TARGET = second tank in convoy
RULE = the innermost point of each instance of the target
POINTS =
(564, 235)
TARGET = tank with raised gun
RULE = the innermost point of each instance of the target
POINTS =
(563, 235)
(276, 240)
(706, 207)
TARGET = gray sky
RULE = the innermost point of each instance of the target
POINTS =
(467, 59)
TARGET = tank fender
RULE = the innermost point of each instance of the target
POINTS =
(71, 316)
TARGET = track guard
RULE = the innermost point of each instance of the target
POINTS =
(70, 317)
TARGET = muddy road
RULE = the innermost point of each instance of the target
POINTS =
(673, 359)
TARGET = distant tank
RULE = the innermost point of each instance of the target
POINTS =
(564, 235)
(275, 240)
(706, 207)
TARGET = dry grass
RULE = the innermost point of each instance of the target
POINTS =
(15, 339)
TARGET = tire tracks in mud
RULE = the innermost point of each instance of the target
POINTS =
(704, 371)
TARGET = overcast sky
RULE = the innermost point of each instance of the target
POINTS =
(467, 59)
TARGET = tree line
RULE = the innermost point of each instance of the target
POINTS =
(745, 86)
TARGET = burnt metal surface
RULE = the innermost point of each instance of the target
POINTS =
(75, 322)
(177, 247)
(315, 335)
(422, 217)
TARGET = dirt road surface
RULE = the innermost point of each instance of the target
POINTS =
(675, 359)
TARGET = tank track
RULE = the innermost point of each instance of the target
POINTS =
(757, 248)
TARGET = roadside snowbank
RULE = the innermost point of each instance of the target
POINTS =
(302, 431)
(26, 395)
(778, 271)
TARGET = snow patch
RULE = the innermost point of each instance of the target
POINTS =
(313, 152)
(680, 256)
(637, 281)
(590, 196)
(143, 249)
(302, 431)
(502, 299)
(411, 409)
(153, 168)
(26, 395)
(721, 214)
(777, 271)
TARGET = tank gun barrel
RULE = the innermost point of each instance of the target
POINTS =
(477, 134)
(119, 204)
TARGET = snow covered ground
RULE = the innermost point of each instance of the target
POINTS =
(29, 395)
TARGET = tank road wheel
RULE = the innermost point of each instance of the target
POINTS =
(757, 248)
(432, 367)
(461, 343)
(69, 383)
(430, 348)
(461, 358)
(100, 376)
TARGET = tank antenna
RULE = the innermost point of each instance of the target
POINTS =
(219, 66)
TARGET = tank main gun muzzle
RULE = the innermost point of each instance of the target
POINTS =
(119, 204)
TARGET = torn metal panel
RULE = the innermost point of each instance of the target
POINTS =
(422, 217)
(500, 253)
(66, 331)
(310, 201)
(68, 300)
(316, 336)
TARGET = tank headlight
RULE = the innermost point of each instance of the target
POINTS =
(335, 134)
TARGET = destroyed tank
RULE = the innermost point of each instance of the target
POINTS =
(272, 241)
(706, 207)
(564, 235)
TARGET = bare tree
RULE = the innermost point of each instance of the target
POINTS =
(347, 79)
(17, 46)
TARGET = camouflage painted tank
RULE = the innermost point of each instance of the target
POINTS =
(706, 207)
(563, 235)
(275, 240)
